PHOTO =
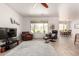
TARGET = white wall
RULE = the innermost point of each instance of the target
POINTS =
(51, 20)
(64, 12)
(74, 30)
(5, 14)
(68, 11)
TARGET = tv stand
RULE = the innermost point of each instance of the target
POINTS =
(8, 38)
(9, 45)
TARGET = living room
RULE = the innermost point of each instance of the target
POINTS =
(39, 20)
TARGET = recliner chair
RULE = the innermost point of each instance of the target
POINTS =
(55, 32)
(52, 36)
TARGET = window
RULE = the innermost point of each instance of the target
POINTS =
(63, 26)
(39, 27)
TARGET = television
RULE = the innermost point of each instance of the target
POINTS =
(11, 32)
(3, 33)
(6, 33)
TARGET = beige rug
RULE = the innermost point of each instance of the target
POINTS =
(33, 48)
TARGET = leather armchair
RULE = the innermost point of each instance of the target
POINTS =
(26, 36)
(54, 34)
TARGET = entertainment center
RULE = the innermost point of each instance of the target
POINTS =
(8, 38)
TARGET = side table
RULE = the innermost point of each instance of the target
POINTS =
(2, 49)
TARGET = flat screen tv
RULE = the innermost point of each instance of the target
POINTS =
(12, 32)
(7, 33)
(3, 33)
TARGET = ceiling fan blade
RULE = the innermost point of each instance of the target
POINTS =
(45, 5)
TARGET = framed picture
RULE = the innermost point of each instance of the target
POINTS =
(76, 26)
(11, 21)
(14, 22)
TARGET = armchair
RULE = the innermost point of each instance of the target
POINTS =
(26, 36)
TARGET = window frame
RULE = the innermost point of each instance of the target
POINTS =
(43, 28)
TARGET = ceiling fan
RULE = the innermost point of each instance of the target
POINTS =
(45, 5)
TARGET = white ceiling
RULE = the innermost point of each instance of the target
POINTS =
(65, 11)
(35, 9)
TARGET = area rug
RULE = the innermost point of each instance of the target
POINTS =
(33, 48)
